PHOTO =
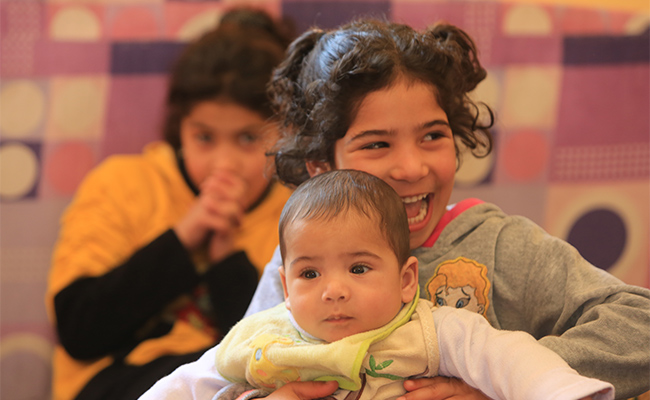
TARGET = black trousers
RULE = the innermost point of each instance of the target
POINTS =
(120, 381)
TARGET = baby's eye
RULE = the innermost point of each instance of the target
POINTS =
(359, 269)
(310, 274)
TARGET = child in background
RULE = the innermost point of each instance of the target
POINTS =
(159, 254)
(351, 313)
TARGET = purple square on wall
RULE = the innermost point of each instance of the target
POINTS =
(604, 105)
(330, 14)
(135, 110)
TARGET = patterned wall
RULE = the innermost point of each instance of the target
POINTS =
(80, 80)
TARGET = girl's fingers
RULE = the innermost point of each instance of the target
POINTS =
(439, 388)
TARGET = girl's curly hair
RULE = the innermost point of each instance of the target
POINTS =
(317, 89)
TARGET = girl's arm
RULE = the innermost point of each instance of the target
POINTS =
(100, 315)
(595, 322)
(231, 284)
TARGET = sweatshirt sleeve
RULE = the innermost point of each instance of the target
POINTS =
(507, 364)
(269, 292)
(100, 315)
(595, 322)
(231, 284)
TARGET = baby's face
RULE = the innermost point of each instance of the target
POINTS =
(341, 277)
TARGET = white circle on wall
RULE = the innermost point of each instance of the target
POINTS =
(75, 24)
(473, 170)
(76, 106)
(527, 20)
(637, 24)
(530, 97)
(199, 24)
(28, 343)
(18, 170)
(488, 91)
(22, 103)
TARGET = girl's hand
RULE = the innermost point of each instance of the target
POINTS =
(439, 388)
(216, 215)
(304, 391)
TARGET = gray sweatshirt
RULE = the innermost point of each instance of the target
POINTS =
(521, 278)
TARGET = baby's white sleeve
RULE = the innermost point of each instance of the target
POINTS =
(197, 380)
(507, 364)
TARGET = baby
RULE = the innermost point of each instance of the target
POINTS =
(352, 312)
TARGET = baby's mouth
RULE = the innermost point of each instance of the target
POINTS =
(337, 318)
(416, 207)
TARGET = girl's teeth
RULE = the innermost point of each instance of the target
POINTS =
(421, 214)
(413, 199)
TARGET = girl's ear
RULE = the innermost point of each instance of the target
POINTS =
(409, 278)
(283, 278)
(317, 167)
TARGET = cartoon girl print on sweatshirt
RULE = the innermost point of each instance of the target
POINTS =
(460, 283)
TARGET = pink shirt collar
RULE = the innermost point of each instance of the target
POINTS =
(452, 212)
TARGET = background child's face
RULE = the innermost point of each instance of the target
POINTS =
(402, 136)
(341, 277)
(228, 139)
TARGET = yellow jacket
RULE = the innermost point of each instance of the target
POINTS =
(123, 205)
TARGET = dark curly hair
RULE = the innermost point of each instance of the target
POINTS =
(232, 62)
(317, 89)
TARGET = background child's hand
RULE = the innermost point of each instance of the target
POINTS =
(215, 216)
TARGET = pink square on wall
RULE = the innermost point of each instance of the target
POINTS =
(135, 112)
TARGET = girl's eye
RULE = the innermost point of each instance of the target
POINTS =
(433, 136)
(375, 146)
(204, 137)
(359, 269)
(309, 274)
(462, 303)
(440, 301)
(248, 138)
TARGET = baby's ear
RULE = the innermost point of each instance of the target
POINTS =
(317, 167)
(283, 279)
(409, 278)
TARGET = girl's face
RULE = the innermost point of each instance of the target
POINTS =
(402, 136)
(226, 138)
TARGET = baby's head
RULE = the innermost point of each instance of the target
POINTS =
(344, 240)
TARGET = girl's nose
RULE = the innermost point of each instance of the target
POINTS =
(409, 165)
(226, 158)
(336, 291)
